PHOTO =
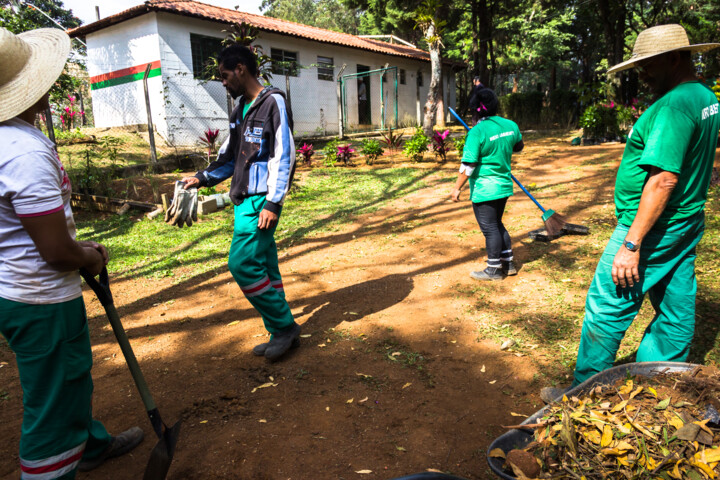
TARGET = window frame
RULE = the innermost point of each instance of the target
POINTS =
(324, 67)
(291, 71)
(402, 76)
(200, 42)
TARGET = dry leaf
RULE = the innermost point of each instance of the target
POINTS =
(264, 385)
(492, 382)
(406, 385)
(507, 344)
(482, 370)
(350, 401)
(307, 335)
(327, 409)
(395, 354)
(363, 472)
(262, 420)
(363, 400)
(402, 449)
(443, 329)
(497, 453)
(322, 345)
(607, 436)
(203, 421)
(363, 375)
(233, 323)
(517, 414)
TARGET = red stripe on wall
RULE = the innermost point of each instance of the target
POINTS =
(123, 72)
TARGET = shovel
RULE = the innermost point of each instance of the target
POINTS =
(162, 454)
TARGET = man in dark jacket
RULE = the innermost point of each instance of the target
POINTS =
(259, 155)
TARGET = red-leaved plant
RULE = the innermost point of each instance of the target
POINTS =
(345, 153)
(307, 152)
(210, 141)
(441, 146)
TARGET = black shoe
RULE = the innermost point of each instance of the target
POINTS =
(509, 268)
(259, 350)
(282, 341)
(119, 445)
(489, 273)
(552, 394)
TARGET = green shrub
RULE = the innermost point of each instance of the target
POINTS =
(371, 149)
(605, 121)
(330, 152)
(416, 145)
(522, 108)
(207, 191)
(460, 145)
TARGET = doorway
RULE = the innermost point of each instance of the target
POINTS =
(363, 91)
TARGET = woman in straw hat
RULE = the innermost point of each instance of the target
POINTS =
(660, 195)
(42, 314)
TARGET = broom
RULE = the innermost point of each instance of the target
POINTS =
(554, 222)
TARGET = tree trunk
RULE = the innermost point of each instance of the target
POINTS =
(475, 51)
(515, 84)
(485, 33)
(433, 93)
(440, 118)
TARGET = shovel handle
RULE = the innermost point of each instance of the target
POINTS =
(102, 290)
(511, 175)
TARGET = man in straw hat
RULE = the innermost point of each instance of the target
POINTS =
(660, 195)
(42, 314)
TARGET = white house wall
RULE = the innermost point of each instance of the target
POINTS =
(192, 106)
(111, 53)
(184, 107)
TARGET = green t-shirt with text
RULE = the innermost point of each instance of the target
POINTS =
(678, 134)
(489, 144)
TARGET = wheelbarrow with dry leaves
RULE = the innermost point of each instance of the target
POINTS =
(521, 436)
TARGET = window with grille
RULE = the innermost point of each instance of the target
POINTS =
(325, 68)
(284, 62)
(203, 49)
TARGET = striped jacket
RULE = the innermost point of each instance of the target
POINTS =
(259, 154)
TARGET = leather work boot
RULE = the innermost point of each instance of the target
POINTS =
(509, 268)
(489, 273)
(259, 350)
(120, 445)
(281, 342)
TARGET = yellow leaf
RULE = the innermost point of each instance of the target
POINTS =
(607, 436)
(517, 414)
(635, 393)
(264, 385)
(652, 391)
(262, 420)
(492, 382)
(363, 472)
(322, 345)
(233, 323)
(395, 354)
(406, 385)
(203, 421)
(708, 455)
(350, 401)
(619, 406)
(402, 449)
(593, 436)
(497, 453)
(482, 370)
(706, 469)
(627, 388)
(327, 409)
(675, 472)
(363, 375)
(622, 460)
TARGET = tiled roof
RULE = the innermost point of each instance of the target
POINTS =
(195, 9)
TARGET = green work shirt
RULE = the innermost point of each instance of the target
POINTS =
(489, 144)
(678, 134)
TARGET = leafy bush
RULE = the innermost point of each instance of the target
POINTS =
(371, 149)
(608, 120)
(207, 191)
(522, 108)
(416, 145)
(460, 145)
(69, 135)
(209, 140)
(330, 152)
(441, 145)
(345, 153)
(716, 89)
(306, 151)
(392, 141)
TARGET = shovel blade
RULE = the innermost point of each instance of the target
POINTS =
(162, 454)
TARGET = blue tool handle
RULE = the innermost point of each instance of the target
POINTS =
(511, 175)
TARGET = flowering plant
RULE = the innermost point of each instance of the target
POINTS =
(345, 153)
(441, 145)
(70, 113)
(307, 152)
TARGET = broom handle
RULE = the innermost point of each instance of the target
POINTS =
(511, 175)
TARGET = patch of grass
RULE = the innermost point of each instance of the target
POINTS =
(4, 395)
(323, 201)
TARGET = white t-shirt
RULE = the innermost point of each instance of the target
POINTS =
(33, 182)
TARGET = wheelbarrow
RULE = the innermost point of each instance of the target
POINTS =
(519, 438)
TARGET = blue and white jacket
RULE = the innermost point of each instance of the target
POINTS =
(259, 154)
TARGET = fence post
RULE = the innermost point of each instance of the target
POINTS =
(49, 125)
(340, 89)
(151, 133)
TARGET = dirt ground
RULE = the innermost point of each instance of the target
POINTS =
(391, 377)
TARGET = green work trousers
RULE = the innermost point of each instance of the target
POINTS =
(253, 262)
(52, 349)
(667, 274)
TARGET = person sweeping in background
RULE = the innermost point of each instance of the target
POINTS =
(486, 164)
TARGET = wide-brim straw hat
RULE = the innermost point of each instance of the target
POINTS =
(30, 62)
(658, 40)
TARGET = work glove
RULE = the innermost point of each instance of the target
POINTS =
(183, 209)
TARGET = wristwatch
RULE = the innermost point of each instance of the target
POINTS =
(633, 247)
